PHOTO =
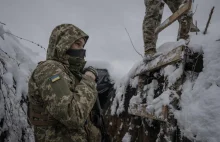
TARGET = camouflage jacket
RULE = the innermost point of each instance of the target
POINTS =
(64, 101)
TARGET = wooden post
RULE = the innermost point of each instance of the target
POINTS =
(165, 112)
(208, 22)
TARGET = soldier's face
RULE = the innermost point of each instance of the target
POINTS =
(79, 44)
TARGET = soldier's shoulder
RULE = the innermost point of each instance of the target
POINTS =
(49, 65)
(47, 69)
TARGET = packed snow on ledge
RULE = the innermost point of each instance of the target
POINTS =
(199, 118)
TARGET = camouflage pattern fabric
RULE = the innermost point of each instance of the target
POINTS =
(64, 98)
(152, 19)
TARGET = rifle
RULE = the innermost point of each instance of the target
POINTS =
(100, 122)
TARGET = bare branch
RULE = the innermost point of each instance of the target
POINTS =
(208, 22)
(133, 44)
(195, 9)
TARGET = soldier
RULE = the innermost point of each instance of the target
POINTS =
(60, 96)
(152, 19)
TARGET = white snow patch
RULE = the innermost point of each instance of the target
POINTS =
(126, 138)
(150, 88)
(135, 100)
(168, 46)
(175, 75)
(168, 70)
(163, 100)
(199, 118)
(8, 78)
(134, 82)
(120, 87)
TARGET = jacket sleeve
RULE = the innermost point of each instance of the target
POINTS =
(70, 106)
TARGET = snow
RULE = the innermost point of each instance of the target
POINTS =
(174, 75)
(126, 138)
(199, 118)
(163, 100)
(120, 87)
(16, 67)
(134, 82)
(135, 100)
(150, 91)
(168, 46)
(169, 69)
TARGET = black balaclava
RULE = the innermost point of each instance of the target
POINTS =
(76, 61)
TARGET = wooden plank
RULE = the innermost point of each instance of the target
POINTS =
(165, 112)
(185, 8)
(140, 110)
(173, 56)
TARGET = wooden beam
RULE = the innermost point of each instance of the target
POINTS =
(140, 110)
(184, 9)
(171, 57)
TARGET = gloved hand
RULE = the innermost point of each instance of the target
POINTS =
(92, 70)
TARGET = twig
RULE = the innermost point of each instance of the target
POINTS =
(2, 23)
(196, 27)
(218, 40)
(26, 40)
(210, 16)
(133, 44)
(195, 9)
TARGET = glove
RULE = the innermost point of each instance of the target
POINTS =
(93, 70)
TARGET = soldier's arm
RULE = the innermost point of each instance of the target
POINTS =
(69, 106)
